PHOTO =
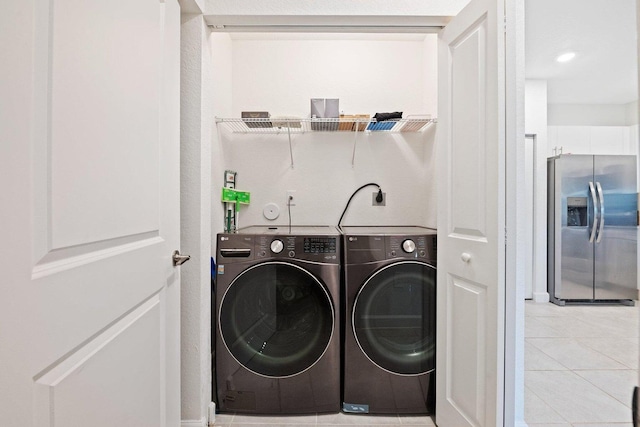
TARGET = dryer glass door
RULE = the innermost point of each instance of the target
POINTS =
(276, 319)
(394, 318)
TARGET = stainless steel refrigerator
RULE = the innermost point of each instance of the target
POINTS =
(592, 229)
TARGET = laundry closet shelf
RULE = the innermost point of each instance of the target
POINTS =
(303, 125)
(292, 126)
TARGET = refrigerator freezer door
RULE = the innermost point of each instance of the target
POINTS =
(574, 254)
(616, 243)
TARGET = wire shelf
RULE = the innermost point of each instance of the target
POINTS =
(290, 126)
(303, 125)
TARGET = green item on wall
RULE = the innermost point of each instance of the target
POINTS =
(229, 195)
(243, 197)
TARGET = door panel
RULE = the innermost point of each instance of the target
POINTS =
(468, 175)
(466, 328)
(96, 114)
(469, 369)
(98, 378)
(91, 304)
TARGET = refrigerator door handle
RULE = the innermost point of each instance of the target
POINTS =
(592, 235)
(601, 196)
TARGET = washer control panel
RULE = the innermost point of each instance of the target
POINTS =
(322, 245)
(312, 248)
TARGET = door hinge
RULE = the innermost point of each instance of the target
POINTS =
(505, 24)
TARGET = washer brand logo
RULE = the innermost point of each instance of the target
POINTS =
(330, 257)
(353, 239)
(224, 238)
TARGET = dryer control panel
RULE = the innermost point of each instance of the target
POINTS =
(407, 246)
(361, 248)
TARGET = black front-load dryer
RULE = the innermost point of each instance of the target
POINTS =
(390, 320)
(277, 345)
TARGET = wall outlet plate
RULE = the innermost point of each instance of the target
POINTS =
(291, 197)
(374, 202)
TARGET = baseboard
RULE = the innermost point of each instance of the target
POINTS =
(194, 423)
(541, 297)
(521, 424)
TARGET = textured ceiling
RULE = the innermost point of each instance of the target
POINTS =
(603, 35)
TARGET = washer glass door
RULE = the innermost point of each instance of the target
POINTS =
(394, 318)
(276, 319)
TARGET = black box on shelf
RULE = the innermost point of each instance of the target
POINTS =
(256, 119)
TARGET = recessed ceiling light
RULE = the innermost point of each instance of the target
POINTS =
(566, 57)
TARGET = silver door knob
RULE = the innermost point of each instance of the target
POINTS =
(179, 259)
(466, 257)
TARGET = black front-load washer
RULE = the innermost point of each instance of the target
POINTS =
(277, 345)
(390, 320)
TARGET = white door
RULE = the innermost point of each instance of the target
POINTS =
(89, 131)
(471, 218)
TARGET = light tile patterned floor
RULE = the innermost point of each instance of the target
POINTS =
(323, 420)
(581, 364)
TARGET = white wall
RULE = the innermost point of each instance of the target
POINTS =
(590, 115)
(196, 125)
(536, 124)
(632, 113)
(279, 73)
(369, 74)
(222, 77)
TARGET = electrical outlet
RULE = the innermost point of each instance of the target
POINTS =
(291, 197)
(374, 202)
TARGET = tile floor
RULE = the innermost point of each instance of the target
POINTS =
(323, 420)
(581, 364)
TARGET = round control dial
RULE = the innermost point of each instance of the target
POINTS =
(408, 246)
(277, 246)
